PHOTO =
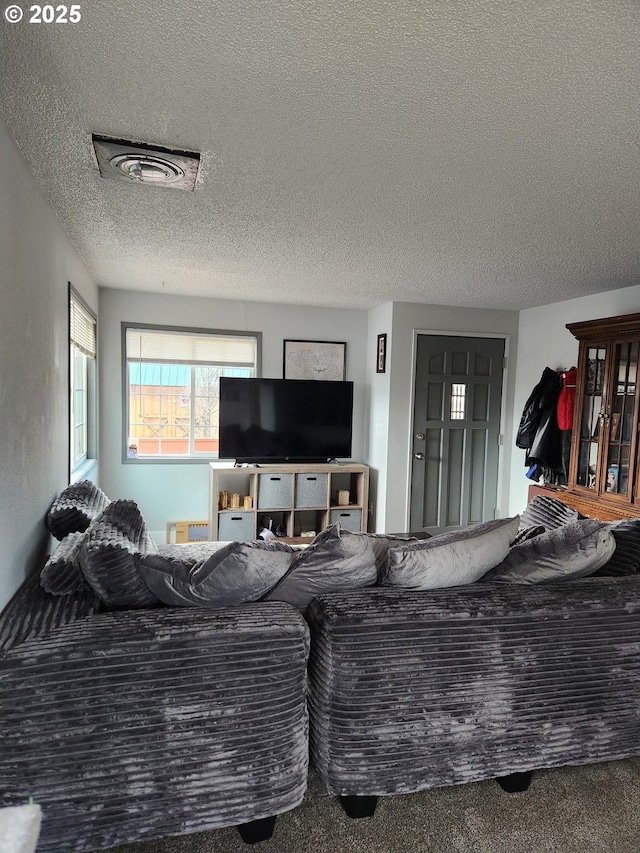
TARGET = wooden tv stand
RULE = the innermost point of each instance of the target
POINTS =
(296, 497)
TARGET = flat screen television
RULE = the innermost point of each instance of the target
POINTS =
(285, 420)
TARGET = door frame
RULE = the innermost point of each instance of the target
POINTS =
(500, 495)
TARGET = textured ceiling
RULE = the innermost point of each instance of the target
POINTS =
(464, 152)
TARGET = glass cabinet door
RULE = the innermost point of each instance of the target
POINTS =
(591, 420)
(604, 470)
(618, 419)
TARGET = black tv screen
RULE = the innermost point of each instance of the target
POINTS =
(285, 420)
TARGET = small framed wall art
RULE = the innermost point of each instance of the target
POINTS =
(381, 355)
(315, 360)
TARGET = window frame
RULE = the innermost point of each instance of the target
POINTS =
(198, 457)
(81, 467)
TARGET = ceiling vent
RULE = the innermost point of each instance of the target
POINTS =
(135, 162)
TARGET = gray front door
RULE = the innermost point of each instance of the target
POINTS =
(456, 427)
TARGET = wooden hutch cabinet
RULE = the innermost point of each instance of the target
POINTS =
(604, 474)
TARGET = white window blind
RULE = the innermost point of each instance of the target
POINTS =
(172, 387)
(82, 327)
(176, 347)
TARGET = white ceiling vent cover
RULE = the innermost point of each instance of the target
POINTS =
(120, 160)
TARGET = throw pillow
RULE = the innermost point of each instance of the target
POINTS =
(222, 576)
(526, 533)
(571, 551)
(548, 512)
(61, 574)
(335, 560)
(75, 508)
(107, 556)
(451, 559)
(167, 572)
(381, 543)
(626, 558)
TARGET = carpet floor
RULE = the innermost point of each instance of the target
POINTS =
(591, 809)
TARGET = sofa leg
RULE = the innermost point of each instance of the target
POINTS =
(257, 830)
(515, 782)
(355, 806)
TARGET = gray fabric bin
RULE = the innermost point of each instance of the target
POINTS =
(350, 519)
(274, 491)
(236, 526)
(311, 490)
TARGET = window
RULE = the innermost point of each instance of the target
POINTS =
(82, 386)
(172, 387)
(458, 393)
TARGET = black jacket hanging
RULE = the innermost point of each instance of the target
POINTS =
(538, 432)
(544, 395)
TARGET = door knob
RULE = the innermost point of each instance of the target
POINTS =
(418, 455)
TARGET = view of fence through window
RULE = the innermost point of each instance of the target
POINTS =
(173, 408)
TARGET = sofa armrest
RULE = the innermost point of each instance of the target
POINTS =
(143, 724)
(410, 690)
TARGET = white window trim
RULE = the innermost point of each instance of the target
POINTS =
(83, 336)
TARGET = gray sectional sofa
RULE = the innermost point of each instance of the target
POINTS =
(142, 695)
(138, 724)
(413, 690)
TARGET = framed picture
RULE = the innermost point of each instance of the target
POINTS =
(314, 360)
(612, 478)
(381, 355)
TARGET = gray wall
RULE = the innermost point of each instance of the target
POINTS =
(179, 491)
(545, 342)
(378, 387)
(37, 260)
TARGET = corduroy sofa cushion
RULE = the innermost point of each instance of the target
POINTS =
(61, 574)
(32, 612)
(107, 556)
(626, 558)
(410, 690)
(548, 512)
(138, 725)
(75, 508)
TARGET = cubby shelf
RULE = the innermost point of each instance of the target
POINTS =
(295, 497)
